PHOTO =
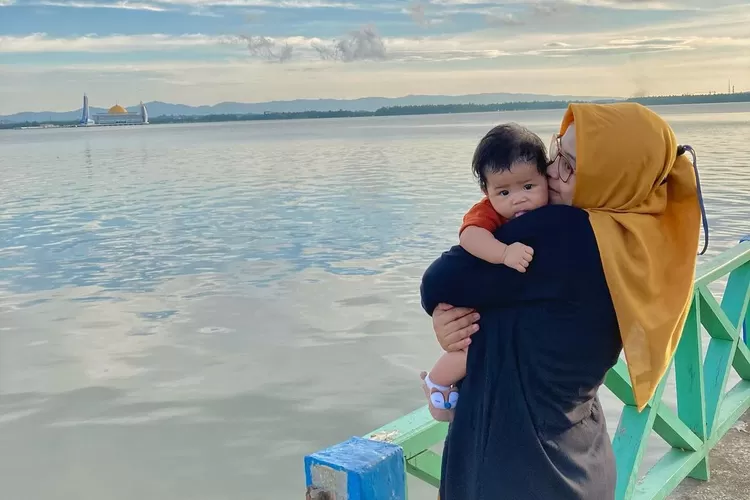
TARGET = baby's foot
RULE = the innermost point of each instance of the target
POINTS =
(437, 396)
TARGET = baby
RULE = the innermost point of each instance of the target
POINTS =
(510, 163)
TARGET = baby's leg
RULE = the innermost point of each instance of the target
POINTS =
(449, 369)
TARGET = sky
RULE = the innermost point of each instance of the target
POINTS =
(208, 51)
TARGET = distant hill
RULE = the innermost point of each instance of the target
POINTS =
(157, 108)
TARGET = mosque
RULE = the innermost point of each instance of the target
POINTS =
(116, 115)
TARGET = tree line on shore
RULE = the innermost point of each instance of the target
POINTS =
(429, 109)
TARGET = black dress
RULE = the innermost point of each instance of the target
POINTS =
(529, 424)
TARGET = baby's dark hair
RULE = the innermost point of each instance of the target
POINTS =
(505, 145)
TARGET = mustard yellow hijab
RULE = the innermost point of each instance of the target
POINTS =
(643, 206)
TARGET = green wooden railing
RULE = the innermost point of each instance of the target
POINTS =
(705, 409)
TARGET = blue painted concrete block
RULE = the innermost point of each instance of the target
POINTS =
(358, 469)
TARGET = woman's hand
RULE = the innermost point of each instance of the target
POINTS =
(453, 326)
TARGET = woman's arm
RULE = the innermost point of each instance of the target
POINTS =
(453, 326)
(460, 279)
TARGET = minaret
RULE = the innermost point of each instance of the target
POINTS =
(86, 114)
(144, 114)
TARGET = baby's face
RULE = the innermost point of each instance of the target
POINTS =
(514, 192)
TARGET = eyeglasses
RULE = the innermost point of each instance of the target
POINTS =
(566, 165)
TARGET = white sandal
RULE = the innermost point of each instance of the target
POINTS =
(440, 410)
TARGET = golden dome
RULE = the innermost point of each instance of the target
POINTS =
(117, 110)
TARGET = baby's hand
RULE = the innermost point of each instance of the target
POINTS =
(518, 256)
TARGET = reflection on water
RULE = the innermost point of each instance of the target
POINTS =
(185, 311)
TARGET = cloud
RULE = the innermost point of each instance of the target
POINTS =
(201, 7)
(523, 48)
(418, 13)
(506, 19)
(682, 53)
(551, 5)
(623, 46)
(40, 42)
(253, 16)
(364, 44)
(204, 12)
(268, 49)
(532, 11)
(204, 82)
(7, 3)
(361, 45)
(545, 9)
(123, 5)
(281, 4)
(633, 4)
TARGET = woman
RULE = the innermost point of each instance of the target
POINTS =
(613, 270)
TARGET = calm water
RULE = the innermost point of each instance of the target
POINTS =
(185, 311)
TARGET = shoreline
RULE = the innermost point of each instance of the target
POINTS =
(436, 109)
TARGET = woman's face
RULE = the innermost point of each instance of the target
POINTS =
(562, 171)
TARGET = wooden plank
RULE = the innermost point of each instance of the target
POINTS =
(736, 403)
(722, 264)
(671, 429)
(713, 317)
(666, 424)
(674, 431)
(426, 466)
(691, 401)
(630, 443)
(618, 381)
(736, 295)
(667, 474)
(414, 432)
(735, 304)
(717, 367)
(741, 361)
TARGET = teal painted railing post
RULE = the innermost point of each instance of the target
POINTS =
(746, 323)
(357, 469)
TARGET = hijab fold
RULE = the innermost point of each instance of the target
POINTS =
(643, 206)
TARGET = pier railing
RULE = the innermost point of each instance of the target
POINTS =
(375, 467)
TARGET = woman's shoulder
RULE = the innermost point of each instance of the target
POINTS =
(559, 213)
(550, 221)
(558, 233)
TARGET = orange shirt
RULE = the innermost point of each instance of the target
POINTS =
(482, 215)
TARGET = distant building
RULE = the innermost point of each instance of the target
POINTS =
(116, 115)
(86, 116)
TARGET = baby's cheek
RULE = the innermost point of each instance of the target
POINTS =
(545, 196)
(497, 204)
